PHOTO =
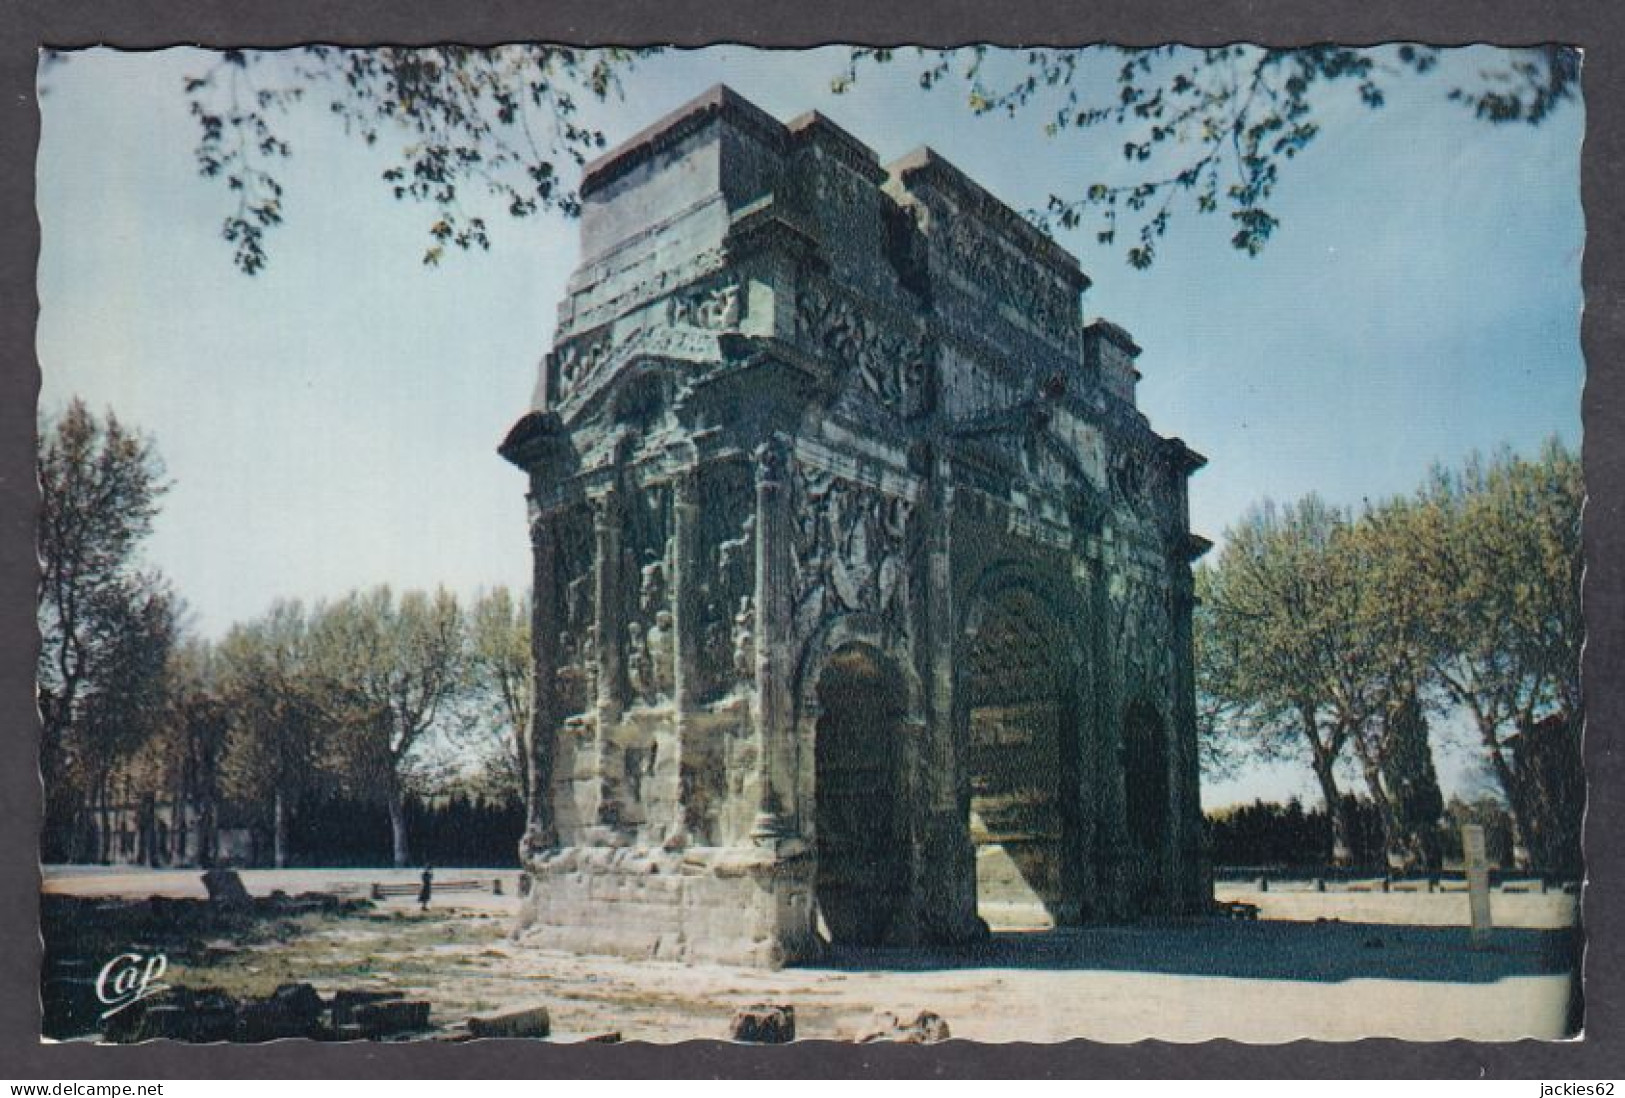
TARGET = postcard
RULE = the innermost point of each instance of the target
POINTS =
(847, 544)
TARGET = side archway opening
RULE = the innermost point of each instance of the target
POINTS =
(1022, 761)
(860, 823)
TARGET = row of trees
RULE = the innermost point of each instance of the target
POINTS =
(1291, 836)
(1344, 638)
(372, 696)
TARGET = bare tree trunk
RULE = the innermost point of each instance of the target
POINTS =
(397, 825)
(104, 841)
(206, 832)
(1513, 790)
(279, 833)
(1342, 852)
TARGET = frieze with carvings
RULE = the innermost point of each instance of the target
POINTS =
(613, 292)
(715, 308)
(849, 548)
(898, 367)
(983, 260)
(577, 361)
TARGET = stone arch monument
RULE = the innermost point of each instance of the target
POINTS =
(862, 588)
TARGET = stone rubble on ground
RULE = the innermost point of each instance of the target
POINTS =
(763, 1024)
(205, 1015)
(527, 1021)
(926, 1028)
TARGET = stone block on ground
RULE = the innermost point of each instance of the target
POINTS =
(529, 1021)
(293, 1010)
(764, 1024)
(346, 1002)
(925, 1028)
(391, 1017)
(226, 887)
(179, 1014)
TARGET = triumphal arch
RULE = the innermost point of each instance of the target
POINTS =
(862, 589)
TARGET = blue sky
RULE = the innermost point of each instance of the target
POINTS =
(331, 423)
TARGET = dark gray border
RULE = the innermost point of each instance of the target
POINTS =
(1594, 26)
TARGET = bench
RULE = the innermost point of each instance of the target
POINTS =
(384, 891)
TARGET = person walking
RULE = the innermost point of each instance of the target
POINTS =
(427, 890)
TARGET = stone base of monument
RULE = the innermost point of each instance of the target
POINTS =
(723, 905)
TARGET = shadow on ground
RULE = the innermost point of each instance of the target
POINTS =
(1327, 952)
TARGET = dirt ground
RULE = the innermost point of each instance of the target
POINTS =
(1377, 965)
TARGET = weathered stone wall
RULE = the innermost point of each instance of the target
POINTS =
(840, 513)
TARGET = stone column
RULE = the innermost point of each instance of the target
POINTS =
(540, 832)
(950, 885)
(607, 638)
(685, 610)
(773, 710)
(1188, 872)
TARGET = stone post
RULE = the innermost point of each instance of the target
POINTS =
(607, 637)
(772, 640)
(685, 611)
(540, 833)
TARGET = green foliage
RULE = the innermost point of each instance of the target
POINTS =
(1340, 634)
(395, 670)
(499, 683)
(280, 713)
(1281, 633)
(1211, 128)
(1409, 777)
(501, 120)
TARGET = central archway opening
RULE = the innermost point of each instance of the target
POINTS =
(862, 860)
(1023, 765)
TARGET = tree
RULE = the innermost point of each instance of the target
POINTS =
(500, 679)
(398, 668)
(193, 741)
(1505, 562)
(1343, 635)
(280, 715)
(1399, 612)
(106, 625)
(1212, 127)
(1410, 781)
(1279, 630)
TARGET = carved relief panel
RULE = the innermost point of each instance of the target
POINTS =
(849, 549)
(578, 661)
(717, 306)
(645, 584)
(896, 366)
(576, 361)
(1142, 635)
(726, 572)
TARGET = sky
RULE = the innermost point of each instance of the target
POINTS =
(331, 423)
